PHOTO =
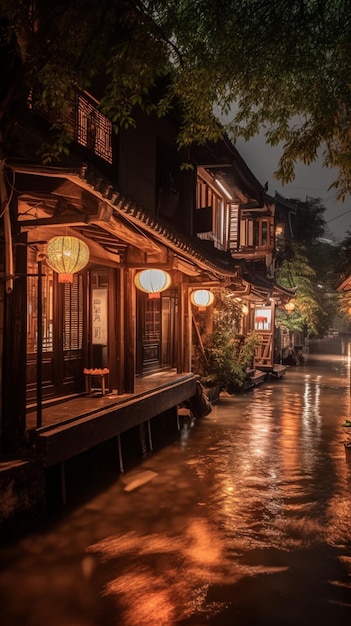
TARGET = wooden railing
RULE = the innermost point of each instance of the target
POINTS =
(264, 351)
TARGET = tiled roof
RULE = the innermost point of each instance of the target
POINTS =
(125, 206)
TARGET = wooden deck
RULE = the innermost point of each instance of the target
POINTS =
(78, 424)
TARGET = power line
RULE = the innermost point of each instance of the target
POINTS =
(337, 216)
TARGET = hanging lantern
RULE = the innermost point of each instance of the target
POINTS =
(152, 282)
(202, 298)
(244, 309)
(67, 255)
(289, 306)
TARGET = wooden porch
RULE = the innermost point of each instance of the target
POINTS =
(76, 425)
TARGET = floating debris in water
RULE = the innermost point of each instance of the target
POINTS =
(137, 480)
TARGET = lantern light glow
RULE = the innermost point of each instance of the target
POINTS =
(67, 255)
(289, 307)
(202, 298)
(152, 281)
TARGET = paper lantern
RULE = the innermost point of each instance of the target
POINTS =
(245, 309)
(202, 298)
(67, 255)
(289, 307)
(152, 282)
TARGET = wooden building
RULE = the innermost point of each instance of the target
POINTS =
(129, 200)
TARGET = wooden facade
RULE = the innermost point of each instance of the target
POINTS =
(134, 206)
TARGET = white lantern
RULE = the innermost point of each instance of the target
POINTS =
(202, 298)
(152, 282)
(67, 255)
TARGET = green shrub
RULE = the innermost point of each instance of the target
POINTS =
(227, 358)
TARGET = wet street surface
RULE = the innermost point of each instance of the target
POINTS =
(243, 520)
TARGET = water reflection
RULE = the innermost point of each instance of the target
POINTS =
(246, 521)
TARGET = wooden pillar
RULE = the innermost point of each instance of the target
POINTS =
(129, 344)
(273, 330)
(39, 344)
(187, 347)
(180, 330)
(13, 419)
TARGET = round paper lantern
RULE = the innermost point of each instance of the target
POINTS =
(152, 282)
(289, 307)
(202, 298)
(245, 309)
(67, 255)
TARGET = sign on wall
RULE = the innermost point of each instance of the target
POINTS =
(263, 318)
(99, 317)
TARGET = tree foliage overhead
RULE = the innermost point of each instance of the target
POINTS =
(286, 65)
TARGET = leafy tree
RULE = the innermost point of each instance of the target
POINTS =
(286, 65)
(309, 315)
(309, 224)
(308, 265)
(342, 270)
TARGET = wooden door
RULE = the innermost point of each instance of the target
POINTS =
(156, 334)
(63, 325)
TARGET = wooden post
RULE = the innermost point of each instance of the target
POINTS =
(129, 331)
(149, 433)
(187, 346)
(180, 331)
(39, 344)
(120, 454)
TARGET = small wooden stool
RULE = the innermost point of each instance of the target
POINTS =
(95, 373)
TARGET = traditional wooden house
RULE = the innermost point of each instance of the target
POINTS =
(91, 352)
(234, 214)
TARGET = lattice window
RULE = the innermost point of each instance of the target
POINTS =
(32, 306)
(152, 320)
(94, 130)
(233, 226)
(73, 314)
(88, 126)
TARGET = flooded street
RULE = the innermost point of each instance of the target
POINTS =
(244, 520)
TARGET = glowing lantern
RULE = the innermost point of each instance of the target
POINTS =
(244, 309)
(67, 255)
(202, 298)
(152, 282)
(289, 307)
